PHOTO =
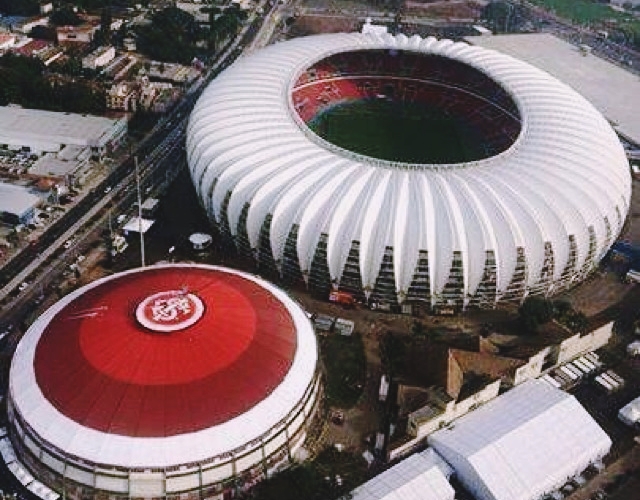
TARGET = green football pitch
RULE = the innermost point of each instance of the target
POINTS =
(396, 131)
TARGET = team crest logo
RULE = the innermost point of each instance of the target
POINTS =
(169, 311)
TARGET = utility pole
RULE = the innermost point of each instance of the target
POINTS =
(135, 162)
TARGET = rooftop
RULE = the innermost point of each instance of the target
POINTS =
(423, 475)
(150, 345)
(24, 126)
(523, 444)
(16, 199)
(611, 89)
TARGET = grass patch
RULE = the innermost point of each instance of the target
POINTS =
(580, 11)
(596, 15)
(398, 131)
(346, 366)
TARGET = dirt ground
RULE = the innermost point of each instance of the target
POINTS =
(628, 465)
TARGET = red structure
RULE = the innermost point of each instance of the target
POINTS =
(139, 382)
(178, 381)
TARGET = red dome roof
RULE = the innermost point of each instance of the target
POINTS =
(107, 369)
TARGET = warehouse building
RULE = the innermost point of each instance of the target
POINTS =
(423, 476)
(17, 204)
(37, 132)
(522, 445)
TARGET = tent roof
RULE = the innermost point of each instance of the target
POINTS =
(522, 444)
(16, 199)
(631, 411)
(423, 476)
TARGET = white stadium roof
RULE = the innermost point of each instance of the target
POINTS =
(610, 88)
(422, 476)
(523, 444)
(564, 181)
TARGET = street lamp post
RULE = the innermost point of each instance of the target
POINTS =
(135, 162)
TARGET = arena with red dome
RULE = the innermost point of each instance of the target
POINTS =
(192, 377)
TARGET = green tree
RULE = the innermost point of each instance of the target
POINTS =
(19, 76)
(171, 36)
(19, 7)
(317, 480)
(103, 35)
(393, 350)
(224, 25)
(418, 329)
(535, 311)
(497, 14)
(65, 16)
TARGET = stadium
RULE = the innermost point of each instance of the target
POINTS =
(407, 170)
(196, 380)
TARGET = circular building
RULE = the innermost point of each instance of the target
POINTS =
(167, 381)
(407, 170)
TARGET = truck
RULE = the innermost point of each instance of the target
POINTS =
(118, 245)
(342, 298)
(384, 388)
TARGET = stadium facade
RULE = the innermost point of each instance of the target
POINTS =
(532, 214)
(195, 380)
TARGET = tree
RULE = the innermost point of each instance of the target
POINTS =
(171, 36)
(223, 26)
(65, 16)
(418, 329)
(534, 312)
(24, 83)
(392, 352)
(20, 7)
(315, 480)
(103, 35)
(497, 14)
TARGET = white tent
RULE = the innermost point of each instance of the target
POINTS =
(523, 444)
(633, 349)
(423, 476)
(137, 225)
(630, 413)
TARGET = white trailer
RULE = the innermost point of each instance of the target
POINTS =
(603, 383)
(588, 363)
(615, 376)
(613, 382)
(570, 373)
(384, 388)
(581, 366)
(593, 358)
(551, 381)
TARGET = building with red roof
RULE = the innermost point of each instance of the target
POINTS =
(166, 381)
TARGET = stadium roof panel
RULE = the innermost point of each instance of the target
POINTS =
(544, 211)
(610, 88)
